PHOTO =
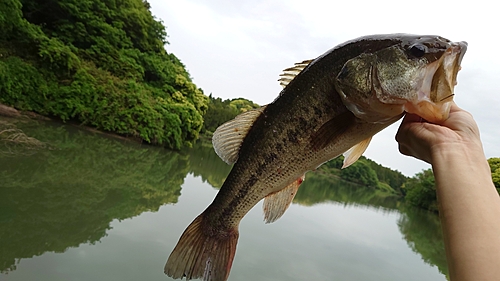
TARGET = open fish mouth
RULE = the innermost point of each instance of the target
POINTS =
(435, 94)
(445, 76)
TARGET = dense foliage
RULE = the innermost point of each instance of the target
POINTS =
(101, 63)
(368, 173)
(361, 173)
(220, 111)
(421, 189)
(495, 171)
(393, 178)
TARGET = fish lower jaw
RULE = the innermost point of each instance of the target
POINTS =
(432, 112)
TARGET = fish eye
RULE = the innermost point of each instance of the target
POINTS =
(418, 50)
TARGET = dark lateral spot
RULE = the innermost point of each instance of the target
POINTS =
(233, 204)
(318, 111)
(270, 157)
(303, 123)
(252, 180)
(292, 136)
(279, 147)
(260, 169)
(305, 110)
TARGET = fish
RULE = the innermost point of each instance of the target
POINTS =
(329, 106)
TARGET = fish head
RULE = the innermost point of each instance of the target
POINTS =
(416, 74)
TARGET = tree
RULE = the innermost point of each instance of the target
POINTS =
(495, 171)
(101, 63)
(220, 111)
(421, 190)
(393, 178)
(360, 172)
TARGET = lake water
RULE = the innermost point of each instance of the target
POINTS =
(91, 207)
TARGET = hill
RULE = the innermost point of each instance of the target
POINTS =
(99, 63)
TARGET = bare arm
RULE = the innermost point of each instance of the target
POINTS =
(469, 204)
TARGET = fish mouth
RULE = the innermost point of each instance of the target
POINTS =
(435, 94)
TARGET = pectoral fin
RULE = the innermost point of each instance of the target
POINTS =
(277, 203)
(331, 130)
(353, 154)
(228, 137)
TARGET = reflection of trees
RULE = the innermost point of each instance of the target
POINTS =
(422, 231)
(319, 188)
(63, 197)
(67, 196)
(204, 162)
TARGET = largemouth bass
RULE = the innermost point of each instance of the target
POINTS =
(329, 106)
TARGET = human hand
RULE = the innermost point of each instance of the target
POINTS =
(421, 139)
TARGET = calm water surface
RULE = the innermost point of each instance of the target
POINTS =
(91, 207)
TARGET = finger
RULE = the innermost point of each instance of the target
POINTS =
(403, 149)
(403, 127)
(411, 118)
(408, 151)
(454, 107)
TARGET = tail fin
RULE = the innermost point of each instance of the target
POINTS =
(202, 253)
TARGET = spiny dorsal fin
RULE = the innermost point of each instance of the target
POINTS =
(275, 204)
(228, 137)
(290, 73)
(353, 154)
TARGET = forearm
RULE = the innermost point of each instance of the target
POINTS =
(469, 207)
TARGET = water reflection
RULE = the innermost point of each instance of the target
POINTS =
(421, 229)
(66, 196)
(63, 197)
(321, 188)
(424, 236)
(204, 162)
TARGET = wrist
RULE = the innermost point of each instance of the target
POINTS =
(459, 158)
(454, 149)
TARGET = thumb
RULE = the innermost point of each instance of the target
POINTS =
(412, 118)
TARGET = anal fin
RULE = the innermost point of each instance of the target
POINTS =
(275, 204)
(353, 154)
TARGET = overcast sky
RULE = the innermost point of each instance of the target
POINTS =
(238, 49)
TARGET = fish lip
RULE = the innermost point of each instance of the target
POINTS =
(452, 60)
(429, 102)
(451, 63)
(457, 49)
(460, 47)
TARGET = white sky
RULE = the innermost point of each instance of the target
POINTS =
(238, 49)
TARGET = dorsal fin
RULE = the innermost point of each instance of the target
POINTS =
(353, 154)
(290, 73)
(228, 137)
